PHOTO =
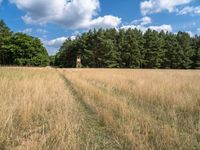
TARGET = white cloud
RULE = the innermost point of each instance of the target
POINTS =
(156, 6)
(41, 31)
(143, 21)
(103, 22)
(55, 42)
(139, 27)
(165, 28)
(77, 32)
(28, 30)
(73, 37)
(54, 45)
(190, 10)
(72, 14)
(190, 33)
(198, 30)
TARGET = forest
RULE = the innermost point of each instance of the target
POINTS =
(20, 49)
(112, 48)
(105, 48)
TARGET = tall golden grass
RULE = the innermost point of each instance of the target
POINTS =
(46, 108)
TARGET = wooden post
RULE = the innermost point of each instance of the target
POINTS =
(78, 62)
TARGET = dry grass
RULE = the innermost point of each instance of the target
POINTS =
(99, 109)
(152, 109)
(37, 111)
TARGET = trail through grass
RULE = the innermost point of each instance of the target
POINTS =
(46, 108)
(97, 135)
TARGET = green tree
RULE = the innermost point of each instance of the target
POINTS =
(5, 36)
(130, 49)
(184, 41)
(28, 51)
(173, 52)
(154, 52)
(21, 49)
(196, 49)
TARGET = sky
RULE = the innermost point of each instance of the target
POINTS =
(53, 21)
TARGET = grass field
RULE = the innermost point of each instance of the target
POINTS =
(46, 108)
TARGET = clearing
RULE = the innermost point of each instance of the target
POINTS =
(47, 108)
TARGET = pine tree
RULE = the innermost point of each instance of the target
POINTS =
(153, 46)
(185, 43)
(130, 49)
(196, 49)
(173, 52)
(120, 44)
(140, 46)
(113, 54)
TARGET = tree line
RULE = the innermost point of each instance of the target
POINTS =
(21, 49)
(105, 48)
(111, 48)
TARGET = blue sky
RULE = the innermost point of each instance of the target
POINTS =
(55, 20)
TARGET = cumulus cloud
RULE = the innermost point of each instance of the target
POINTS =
(139, 27)
(41, 31)
(28, 30)
(104, 22)
(190, 10)
(156, 6)
(54, 45)
(164, 27)
(143, 21)
(72, 14)
(190, 33)
(55, 42)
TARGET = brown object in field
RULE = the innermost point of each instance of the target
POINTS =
(78, 62)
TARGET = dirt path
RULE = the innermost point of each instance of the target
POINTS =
(115, 105)
(96, 135)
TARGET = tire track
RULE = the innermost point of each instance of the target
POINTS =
(143, 107)
(100, 136)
